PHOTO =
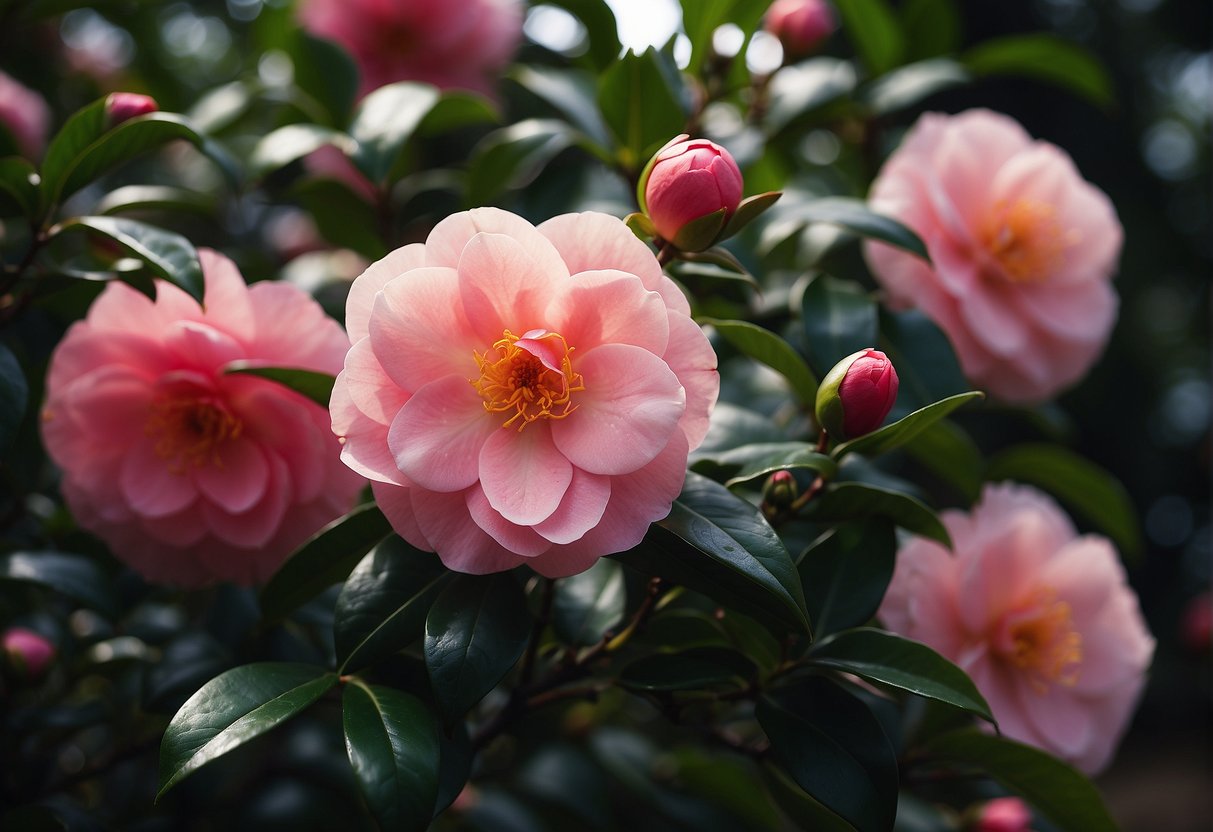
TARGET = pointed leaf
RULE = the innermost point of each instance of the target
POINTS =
(326, 73)
(571, 92)
(513, 156)
(749, 210)
(155, 198)
(75, 576)
(909, 85)
(641, 101)
(308, 383)
(292, 142)
(804, 457)
(846, 572)
(856, 501)
(385, 121)
(875, 31)
(904, 430)
(855, 216)
(1048, 58)
(589, 604)
(767, 347)
(838, 318)
(167, 254)
(800, 91)
(19, 180)
(951, 455)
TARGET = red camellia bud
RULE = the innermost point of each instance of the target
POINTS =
(800, 25)
(690, 189)
(123, 106)
(28, 653)
(1003, 814)
(857, 394)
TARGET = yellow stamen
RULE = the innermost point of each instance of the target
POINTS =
(1043, 643)
(1026, 239)
(514, 380)
(190, 431)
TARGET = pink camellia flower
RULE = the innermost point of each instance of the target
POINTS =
(462, 45)
(1041, 619)
(29, 653)
(857, 394)
(123, 106)
(522, 395)
(1022, 251)
(1003, 814)
(190, 474)
(25, 115)
(688, 179)
(800, 25)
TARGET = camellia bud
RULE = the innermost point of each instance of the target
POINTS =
(800, 25)
(689, 190)
(27, 652)
(123, 106)
(1003, 814)
(780, 490)
(857, 394)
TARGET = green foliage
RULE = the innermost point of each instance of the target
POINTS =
(1047, 58)
(845, 573)
(14, 396)
(166, 254)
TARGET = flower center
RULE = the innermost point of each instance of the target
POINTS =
(1041, 640)
(190, 431)
(529, 377)
(1026, 239)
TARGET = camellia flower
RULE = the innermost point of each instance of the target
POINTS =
(190, 474)
(1041, 619)
(687, 180)
(857, 394)
(520, 394)
(25, 115)
(800, 25)
(1021, 246)
(461, 45)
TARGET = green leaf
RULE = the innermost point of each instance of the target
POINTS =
(14, 396)
(1056, 790)
(513, 156)
(694, 669)
(839, 319)
(768, 348)
(308, 383)
(571, 92)
(589, 604)
(931, 27)
(83, 128)
(901, 663)
(287, 144)
(75, 576)
(904, 430)
(858, 501)
(909, 85)
(798, 92)
(1080, 484)
(846, 572)
(342, 216)
(393, 745)
(805, 457)
(873, 27)
(232, 709)
(1048, 58)
(750, 209)
(855, 216)
(383, 605)
(155, 198)
(753, 458)
(641, 101)
(925, 361)
(834, 748)
(800, 807)
(474, 633)
(948, 452)
(19, 180)
(601, 28)
(385, 121)
(325, 559)
(325, 72)
(167, 254)
(457, 109)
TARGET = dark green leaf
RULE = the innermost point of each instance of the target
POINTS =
(804, 457)
(456, 765)
(756, 457)
(800, 807)
(904, 430)
(907, 86)
(77, 577)
(308, 383)
(858, 501)
(1053, 788)
(931, 27)
(383, 605)
(855, 216)
(326, 73)
(513, 156)
(167, 254)
(901, 663)
(571, 92)
(385, 121)
(342, 216)
(846, 572)
(799, 91)
(949, 453)
(838, 319)
(325, 559)
(474, 633)
(393, 745)
(457, 109)
(875, 31)
(600, 25)
(700, 18)
(1044, 57)
(232, 709)
(19, 180)
(641, 101)
(693, 669)
(1080, 484)
(155, 198)
(589, 604)
(750, 209)
(834, 748)
(734, 426)
(14, 396)
(925, 361)
(767, 347)
(292, 142)
(82, 129)
(717, 256)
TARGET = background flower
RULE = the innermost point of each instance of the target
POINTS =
(522, 395)
(1021, 247)
(24, 114)
(191, 475)
(1039, 617)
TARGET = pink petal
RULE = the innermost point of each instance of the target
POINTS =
(693, 360)
(523, 475)
(202, 346)
(364, 441)
(237, 479)
(257, 526)
(1001, 575)
(437, 436)
(122, 309)
(294, 331)
(461, 544)
(150, 488)
(991, 317)
(361, 298)
(1058, 715)
(1082, 312)
(609, 307)
(396, 503)
(185, 528)
(110, 402)
(85, 349)
(998, 685)
(283, 421)
(368, 386)
(445, 245)
(226, 296)
(580, 509)
(521, 540)
(504, 287)
(625, 417)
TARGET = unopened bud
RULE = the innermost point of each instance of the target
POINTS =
(780, 490)
(857, 394)
(690, 189)
(123, 106)
(29, 654)
(1003, 814)
(800, 25)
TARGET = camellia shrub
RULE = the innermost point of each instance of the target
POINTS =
(412, 425)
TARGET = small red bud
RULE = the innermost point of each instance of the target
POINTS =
(30, 654)
(1003, 814)
(780, 490)
(123, 106)
(688, 180)
(800, 25)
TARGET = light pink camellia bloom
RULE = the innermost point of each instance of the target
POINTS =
(522, 395)
(1022, 247)
(452, 45)
(189, 474)
(800, 25)
(25, 115)
(1040, 618)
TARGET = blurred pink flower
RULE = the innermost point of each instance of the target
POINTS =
(28, 652)
(800, 25)
(1003, 814)
(452, 45)
(123, 106)
(522, 395)
(1022, 247)
(1040, 618)
(25, 115)
(191, 475)
(688, 179)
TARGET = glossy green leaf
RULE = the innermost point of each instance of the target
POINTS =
(457, 109)
(1056, 790)
(318, 387)
(951, 455)
(750, 209)
(799, 92)
(155, 198)
(768, 348)
(83, 128)
(911, 666)
(858, 501)
(475, 632)
(641, 101)
(75, 576)
(601, 29)
(326, 73)
(325, 559)
(799, 806)
(234, 708)
(832, 746)
(839, 318)
(1048, 58)
(385, 121)
(931, 27)
(694, 669)
(590, 603)
(383, 605)
(455, 766)
(393, 745)
(780, 460)
(292, 142)
(342, 216)
(513, 156)
(876, 32)
(571, 92)
(746, 461)
(168, 255)
(846, 572)
(1090, 491)
(855, 216)
(904, 430)
(701, 18)
(925, 360)
(909, 85)
(14, 396)
(19, 181)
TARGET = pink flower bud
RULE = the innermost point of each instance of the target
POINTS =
(1003, 814)
(123, 106)
(780, 490)
(29, 653)
(688, 180)
(857, 394)
(800, 25)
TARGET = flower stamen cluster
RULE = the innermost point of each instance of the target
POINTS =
(531, 375)
(190, 431)
(1041, 640)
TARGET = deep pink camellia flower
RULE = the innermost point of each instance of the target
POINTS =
(30, 653)
(522, 395)
(189, 473)
(123, 106)
(1022, 249)
(1040, 618)
(800, 25)
(686, 180)
(1003, 814)
(452, 45)
(25, 115)
(857, 394)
